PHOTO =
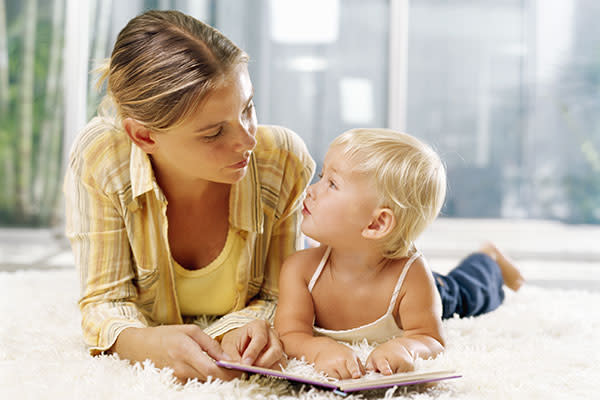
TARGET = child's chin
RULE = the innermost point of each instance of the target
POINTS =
(311, 242)
(309, 234)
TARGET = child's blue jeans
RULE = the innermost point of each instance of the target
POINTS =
(474, 287)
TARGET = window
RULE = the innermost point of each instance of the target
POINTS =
(319, 67)
(506, 91)
(31, 110)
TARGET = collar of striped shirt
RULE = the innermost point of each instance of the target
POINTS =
(244, 200)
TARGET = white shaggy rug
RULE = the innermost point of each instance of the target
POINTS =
(541, 344)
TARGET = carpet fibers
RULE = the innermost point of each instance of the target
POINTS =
(541, 344)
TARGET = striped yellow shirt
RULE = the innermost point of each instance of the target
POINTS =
(117, 225)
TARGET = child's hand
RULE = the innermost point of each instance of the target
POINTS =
(339, 361)
(390, 358)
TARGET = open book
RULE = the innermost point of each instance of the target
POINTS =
(351, 385)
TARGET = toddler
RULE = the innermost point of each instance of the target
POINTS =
(378, 191)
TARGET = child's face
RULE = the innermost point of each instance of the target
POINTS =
(340, 205)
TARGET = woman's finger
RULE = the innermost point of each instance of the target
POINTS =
(272, 355)
(259, 338)
(204, 366)
(208, 344)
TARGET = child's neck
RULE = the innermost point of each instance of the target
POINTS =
(363, 263)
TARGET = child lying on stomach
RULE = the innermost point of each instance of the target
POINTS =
(378, 191)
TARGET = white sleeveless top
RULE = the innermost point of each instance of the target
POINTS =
(378, 331)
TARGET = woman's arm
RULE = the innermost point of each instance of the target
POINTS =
(111, 320)
(420, 313)
(184, 348)
(102, 256)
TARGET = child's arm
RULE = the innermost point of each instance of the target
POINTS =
(294, 319)
(420, 313)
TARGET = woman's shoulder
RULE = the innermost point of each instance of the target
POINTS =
(282, 144)
(100, 136)
(100, 151)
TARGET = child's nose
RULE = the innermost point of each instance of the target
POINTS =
(310, 191)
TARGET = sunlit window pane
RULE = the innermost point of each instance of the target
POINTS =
(508, 93)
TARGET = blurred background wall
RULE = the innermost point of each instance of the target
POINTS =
(507, 91)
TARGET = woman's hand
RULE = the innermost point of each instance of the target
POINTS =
(184, 348)
(389, 358)
(338, 361)
(255, 343)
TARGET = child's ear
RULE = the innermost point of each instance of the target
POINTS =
(140, 135)
(381, 224)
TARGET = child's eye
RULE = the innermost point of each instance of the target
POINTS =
(330, 182)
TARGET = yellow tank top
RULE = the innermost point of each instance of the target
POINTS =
(210, 290)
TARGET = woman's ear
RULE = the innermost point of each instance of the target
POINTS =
(381, 224)
(140, 135)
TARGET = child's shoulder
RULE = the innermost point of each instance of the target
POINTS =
(418, 275)
(304, 262)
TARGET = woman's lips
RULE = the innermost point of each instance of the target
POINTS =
(240, 164)
(305, 210)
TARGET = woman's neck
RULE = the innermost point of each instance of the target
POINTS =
(178, 189)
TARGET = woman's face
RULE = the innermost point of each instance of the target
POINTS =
(215, 143)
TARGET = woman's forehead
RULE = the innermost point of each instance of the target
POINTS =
(230, 94)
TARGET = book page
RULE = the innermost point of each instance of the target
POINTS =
(400, 379)
(350, 385)
(278, 374)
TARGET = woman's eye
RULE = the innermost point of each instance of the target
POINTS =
(250, 107)
(213, 136)
(320, 175)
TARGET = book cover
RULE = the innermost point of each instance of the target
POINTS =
(351, 385)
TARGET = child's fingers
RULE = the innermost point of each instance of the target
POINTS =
(337, 373)
(382, 365)
(369, 365)
(360, 365)
(401, 365)
(352, 365)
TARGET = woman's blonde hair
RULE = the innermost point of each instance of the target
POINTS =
(407, 174)
(162, 65)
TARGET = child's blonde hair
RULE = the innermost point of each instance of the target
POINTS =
(409, 178)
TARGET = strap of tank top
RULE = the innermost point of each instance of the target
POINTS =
(317, 273)
(401, 280)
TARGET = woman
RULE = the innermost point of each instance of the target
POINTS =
(180, 209)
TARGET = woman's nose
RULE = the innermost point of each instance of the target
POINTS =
(246, 138)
